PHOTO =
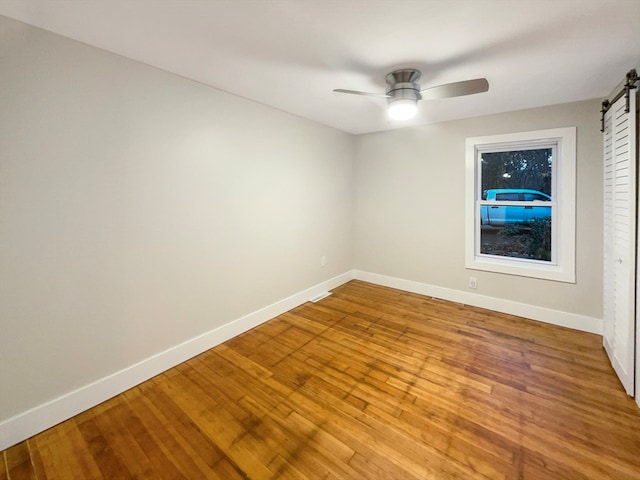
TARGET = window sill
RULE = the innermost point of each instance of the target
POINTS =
(527, 268)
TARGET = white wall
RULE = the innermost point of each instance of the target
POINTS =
(140, 210)
(409, 212)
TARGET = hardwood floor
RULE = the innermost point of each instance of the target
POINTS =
(369, 383)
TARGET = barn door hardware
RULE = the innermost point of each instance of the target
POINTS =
(632, 79)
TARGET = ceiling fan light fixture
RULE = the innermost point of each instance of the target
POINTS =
(402, 108)
(402, 97)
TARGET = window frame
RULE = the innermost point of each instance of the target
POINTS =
(562, 265)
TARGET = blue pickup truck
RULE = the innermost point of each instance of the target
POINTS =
(502, 215)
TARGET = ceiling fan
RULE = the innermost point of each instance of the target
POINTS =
(403, 91)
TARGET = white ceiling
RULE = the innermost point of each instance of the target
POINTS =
(291, 54)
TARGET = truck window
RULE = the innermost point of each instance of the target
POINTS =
(530, 197)
(508, 197)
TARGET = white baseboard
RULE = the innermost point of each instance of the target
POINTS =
(38, 419)
(534, 312)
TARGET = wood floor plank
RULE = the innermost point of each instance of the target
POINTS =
(62, 452)
(370, 383)
(166, 440)
(3, 466)
(18, 462)
(218, 425)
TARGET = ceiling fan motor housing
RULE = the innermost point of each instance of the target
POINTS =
(403, 86)
(404, 75)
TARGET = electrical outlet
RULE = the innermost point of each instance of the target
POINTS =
(473, 282)
(323, 261)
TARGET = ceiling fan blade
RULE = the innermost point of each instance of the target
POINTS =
(456, 89)
(356, 92)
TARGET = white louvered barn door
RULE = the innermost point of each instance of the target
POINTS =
(620, 239)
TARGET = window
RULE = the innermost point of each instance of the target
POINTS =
(520, 205)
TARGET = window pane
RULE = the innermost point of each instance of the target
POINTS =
(528, 240)
(516, 231)
(520, 169)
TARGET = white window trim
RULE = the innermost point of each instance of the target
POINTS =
(562, 267)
